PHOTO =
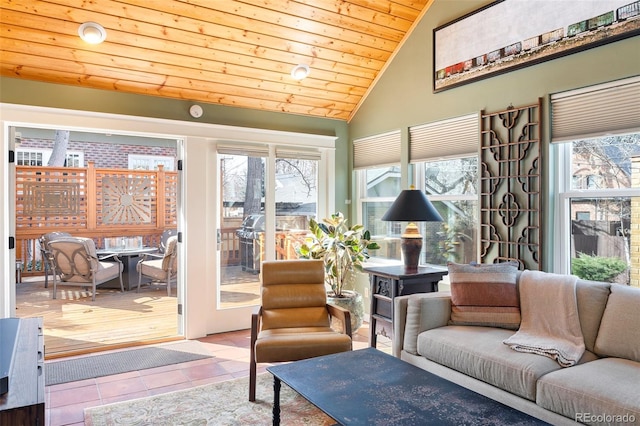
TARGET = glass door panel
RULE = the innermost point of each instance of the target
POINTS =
(296, 202)
(242, 229)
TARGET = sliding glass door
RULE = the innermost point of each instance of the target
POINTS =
(266, 200)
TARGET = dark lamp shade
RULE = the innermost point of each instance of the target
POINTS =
(412, 205)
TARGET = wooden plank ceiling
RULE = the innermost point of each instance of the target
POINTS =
(228, 52)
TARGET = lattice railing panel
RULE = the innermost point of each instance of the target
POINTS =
(510, 201)
(51, 197)
(124, 197)
(171, 197)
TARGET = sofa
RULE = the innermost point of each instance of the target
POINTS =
(466, 345)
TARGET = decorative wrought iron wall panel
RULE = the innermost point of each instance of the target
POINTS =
(510, 183)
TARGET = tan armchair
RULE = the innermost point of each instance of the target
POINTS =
(76, 263)
(160, 268)
(294, 320)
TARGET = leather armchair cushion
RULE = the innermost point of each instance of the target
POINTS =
(295, 317)
(293, 295)
(292, 344)
(290, 272)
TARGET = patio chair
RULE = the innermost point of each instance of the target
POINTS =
(45, 253)
(76, 263)
(161, 269)
(294, 321)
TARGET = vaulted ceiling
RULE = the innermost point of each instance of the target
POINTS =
(228, 52)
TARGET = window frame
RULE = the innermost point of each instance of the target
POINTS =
(165, 159)
(46, 155)
(562, 254)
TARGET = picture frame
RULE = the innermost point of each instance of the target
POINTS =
(510, 34)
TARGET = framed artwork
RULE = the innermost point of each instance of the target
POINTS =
(510, 34)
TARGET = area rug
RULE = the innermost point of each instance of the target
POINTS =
(92, 366)
(220, 404)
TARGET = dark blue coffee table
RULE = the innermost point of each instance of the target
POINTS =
(370, 387)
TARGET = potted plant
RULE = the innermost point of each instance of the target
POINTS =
(343, 249)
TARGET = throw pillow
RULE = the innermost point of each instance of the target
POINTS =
(619, 334)
(484, 295)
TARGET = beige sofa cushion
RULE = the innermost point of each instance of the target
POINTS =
(592, 298)
(484, 294)
(607, 386)
(424, 312)
(619, 334)
(480, 353)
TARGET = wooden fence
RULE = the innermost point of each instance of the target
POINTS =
(91, 202)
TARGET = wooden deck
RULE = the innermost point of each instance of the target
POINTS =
(74, 325)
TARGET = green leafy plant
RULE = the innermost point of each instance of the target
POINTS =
(343, 249)
(597, 268)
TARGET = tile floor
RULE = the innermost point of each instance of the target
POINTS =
(65, 403)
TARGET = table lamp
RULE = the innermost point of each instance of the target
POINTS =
(412, 205)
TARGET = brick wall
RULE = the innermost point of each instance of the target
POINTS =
(634, 267)
(105, 155)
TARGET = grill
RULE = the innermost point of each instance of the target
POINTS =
(252, 230)
(249, 234)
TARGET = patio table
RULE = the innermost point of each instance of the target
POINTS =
(129, 259)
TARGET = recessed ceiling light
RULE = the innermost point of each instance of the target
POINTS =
(300, 71)
(92, 32)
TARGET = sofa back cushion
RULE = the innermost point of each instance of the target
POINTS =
(484, 295)
(592, 298)
(619, 333)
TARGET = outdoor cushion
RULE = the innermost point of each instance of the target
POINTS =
(480, 353)
(607, 386)
(484, 294)
(152, 269)
(619, 334)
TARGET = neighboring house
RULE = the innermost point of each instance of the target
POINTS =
(117, 154)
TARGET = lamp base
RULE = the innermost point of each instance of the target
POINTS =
(411, 245)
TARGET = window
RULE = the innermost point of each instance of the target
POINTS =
(600, 210)
(40, 157)
(75, 159)
(29, 158)
(443, 157)
(378, 188)
(452, 187)
(150, 162)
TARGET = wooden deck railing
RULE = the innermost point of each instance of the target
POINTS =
(91, 202)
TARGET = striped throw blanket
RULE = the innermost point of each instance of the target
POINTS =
(550, 325)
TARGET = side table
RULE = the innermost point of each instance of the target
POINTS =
(387, 282)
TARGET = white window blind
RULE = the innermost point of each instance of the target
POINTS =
(379, 150)
(248, 150)
(611, 108)
(447, 138)
(298, 154)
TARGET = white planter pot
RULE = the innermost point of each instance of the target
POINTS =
(353, 303)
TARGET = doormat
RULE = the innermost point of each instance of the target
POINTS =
(92, 366)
